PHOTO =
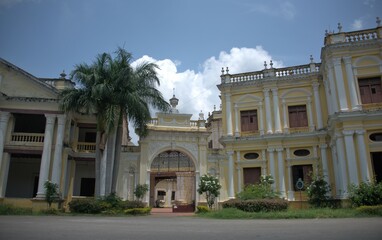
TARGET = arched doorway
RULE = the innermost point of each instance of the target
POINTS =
(172, 180)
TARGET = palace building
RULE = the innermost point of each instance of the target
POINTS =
(317, 118)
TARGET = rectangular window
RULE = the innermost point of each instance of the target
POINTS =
(251, 175)
(87, 187)
(370, 90)
(304, 172)
(249, 121)
(297, 116)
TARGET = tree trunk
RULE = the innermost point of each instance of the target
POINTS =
(110, 157)
(125, 131)
(98, 156)
(117, 157)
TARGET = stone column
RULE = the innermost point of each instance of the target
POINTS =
(231, 193)
(261, 120)
(351, 84)
(290, 185)
(351, 156)
(281, 169)
(264, 164)
(332, 89)
(4, 170)
(57, 161)
(197, 180)
(340, 84)
(342, 165)
(237, 119)
(285, 116)
(317, 105)
(276, 111)
(4, 119)
(324, 162)
(268, 116)
(362, 155)
(147, 197)
(228, 114)
(239, 176)
(272, 166)
(46, 154)
(337, 172)
(310, 114)
(328, 98)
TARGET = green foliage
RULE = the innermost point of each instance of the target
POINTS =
(263, 190)
(141, 190)
(138, 211)
(202, 209)
(211, 187)
(91, 206)
(132, 204)
(112, 200)
(50, 211)
(366, 194)
(51, 192)
(8, 209)
(257, 205)
(318, 192)
(371, 210)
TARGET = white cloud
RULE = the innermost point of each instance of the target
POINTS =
(286, 10)
(10, 3)
(369, 3)
(197, 91)
(357, 24)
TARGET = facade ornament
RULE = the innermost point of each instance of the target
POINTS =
(271, 64)
(222, 70)
(378, 22)
(265, 64)
(339, 27)
(63, 74)
(311, 59)
(226, 70)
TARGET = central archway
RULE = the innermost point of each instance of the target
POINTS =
(172, 180)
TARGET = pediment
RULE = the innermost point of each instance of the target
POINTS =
(15, 82)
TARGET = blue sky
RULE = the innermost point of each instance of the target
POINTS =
(190, 40)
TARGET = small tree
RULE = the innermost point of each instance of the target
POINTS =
(211, 187)
(140, 191)
(318, 192)
(263, 190)
(366, 194)
(51, 192)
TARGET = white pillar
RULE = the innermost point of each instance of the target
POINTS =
(231, 193)
(239, 176)
(4, 170)
(362, 155)
(268, 117)
(342, 166)
(310, 115)
(328, 98)
(237, 119)
(276, 111)
(264, 164)
(317, 102)
(272, 165)
(290, 187)
(351, 156)
(281, 169)
(197, 180)
(332, 89)
(147, 197)
(261, 120)
(57, 161)
(337, 172)
(228, 114)
(351, 84)
(340, 84)
(46, 154)
(285, 116)
(324, 162)
(4, 119)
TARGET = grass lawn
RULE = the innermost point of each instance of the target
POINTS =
(233, 213)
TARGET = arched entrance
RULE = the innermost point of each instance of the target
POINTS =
(172, 180)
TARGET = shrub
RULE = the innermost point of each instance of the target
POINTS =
(259, 191)
(85, 206)
(50, 211)
(7, 209)
(371, 210)
(112, 200)
(211, 187)
(318, 192)
(132, 204)
(51, 192)
(141, 190)
(257, 205)
(138, 211)
(366, 194)
(202, 209)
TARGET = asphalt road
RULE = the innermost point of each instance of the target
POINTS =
(184, 228)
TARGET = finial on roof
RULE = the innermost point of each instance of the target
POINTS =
(222, 70)
(214, 108)
(201, 115)
(174, 102)
(227, 70)
(271, 64)
(378, 22)
(326, 32)
(311, 59)
(265, 64)
(339, 27)
(63, 74)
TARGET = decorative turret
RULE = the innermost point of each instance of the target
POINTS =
(174, 102)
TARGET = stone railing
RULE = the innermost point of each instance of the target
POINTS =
(153, 121)
(84, 147)
(299, 130)
(193, 123)
(297, 70)
(354, 37)
(244, 77)
(27, 137)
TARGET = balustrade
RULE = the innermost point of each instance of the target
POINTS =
(28, 137)
(361, 35)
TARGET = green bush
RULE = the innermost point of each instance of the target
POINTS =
(371, 210)
(138, 211)
(7, 209)
(318, 192)
(366, 194)
(262, 190)
(132, 204)
(257, 205)
(111, 201)
(86, 206)
(202, 209)
(50, 211)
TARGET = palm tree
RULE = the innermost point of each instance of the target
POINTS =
(113, 90)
